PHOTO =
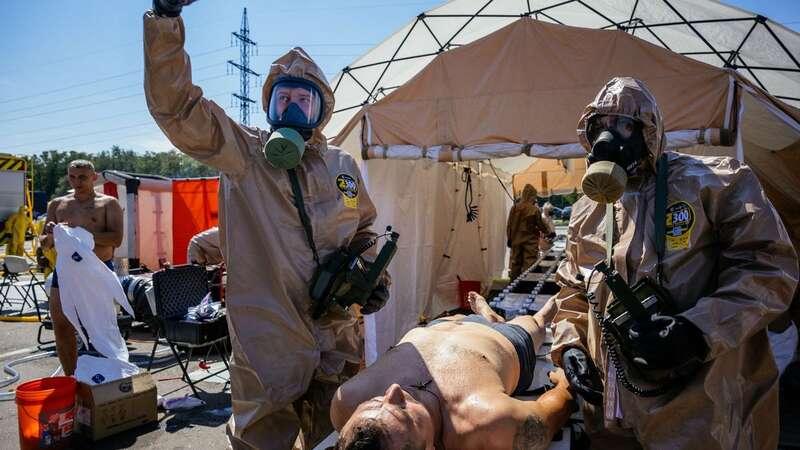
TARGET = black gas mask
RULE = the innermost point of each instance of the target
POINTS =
(617, 148)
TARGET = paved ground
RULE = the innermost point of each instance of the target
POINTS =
(202, 428)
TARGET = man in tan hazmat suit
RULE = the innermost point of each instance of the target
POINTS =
(524, 227)
(285, 365)
(204, 248)
(727, 263)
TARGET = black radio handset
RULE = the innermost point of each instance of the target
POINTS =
(623, 293)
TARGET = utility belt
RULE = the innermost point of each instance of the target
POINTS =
(344, 278)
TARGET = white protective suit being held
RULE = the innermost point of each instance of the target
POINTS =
(285, 366)
(88, 291)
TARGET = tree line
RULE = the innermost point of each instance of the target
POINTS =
(50, 167)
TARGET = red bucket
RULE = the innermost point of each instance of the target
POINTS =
(464, 288)
(46, 412)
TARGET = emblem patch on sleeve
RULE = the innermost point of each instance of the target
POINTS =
(680, 221)
(349, 188)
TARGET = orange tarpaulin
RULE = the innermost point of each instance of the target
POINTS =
(194, 209)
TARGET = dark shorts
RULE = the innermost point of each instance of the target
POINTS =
(54, 284)
(522, 341)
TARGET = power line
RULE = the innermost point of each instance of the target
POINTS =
(71, 86)
(246, 45)
(86, 83)
(138, 94)
(314, 45)
(108, 130)
(78, 97)
(193, 55)
(218, 20)
(99, 119)
(364, 6)
(313, 55)
(119, 137)
(63, 138)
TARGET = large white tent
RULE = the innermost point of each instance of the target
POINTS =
(763, 51)
(409, 104)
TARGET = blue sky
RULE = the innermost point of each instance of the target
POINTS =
(70, 76)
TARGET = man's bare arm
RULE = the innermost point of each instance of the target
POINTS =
(112, 237)
(46, 239)
(532, 424)
(554, 407)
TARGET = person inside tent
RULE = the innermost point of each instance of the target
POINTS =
(289, 203)
(684, 361)
(523, 230)
(204, 248)
(546, 241)
(450, 385)
(99, 214)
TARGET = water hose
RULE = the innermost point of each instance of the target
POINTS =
(9, 369)
(19, 319)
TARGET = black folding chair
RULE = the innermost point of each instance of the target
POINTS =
(176, 289)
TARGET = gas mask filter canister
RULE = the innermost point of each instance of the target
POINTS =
(284, 148)
(616, 151)
(604, 182)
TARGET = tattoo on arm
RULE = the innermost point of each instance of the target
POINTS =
(531, 434)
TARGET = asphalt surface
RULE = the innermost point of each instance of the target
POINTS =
(203, 427)
(200, 428)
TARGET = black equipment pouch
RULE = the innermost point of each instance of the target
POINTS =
(345, 277)
(633, 305)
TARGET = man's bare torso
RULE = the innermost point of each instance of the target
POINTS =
(91, 214)
(473, 367)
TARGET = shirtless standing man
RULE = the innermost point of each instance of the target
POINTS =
(449, 386)
(99, 214)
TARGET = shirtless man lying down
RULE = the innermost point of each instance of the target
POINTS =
(449, 386)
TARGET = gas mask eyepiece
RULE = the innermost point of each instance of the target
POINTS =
(296, 108)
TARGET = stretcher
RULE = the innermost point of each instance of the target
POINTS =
(540, 379)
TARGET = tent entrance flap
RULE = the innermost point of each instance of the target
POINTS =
(438, 245)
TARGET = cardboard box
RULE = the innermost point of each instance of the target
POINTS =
(109, 408)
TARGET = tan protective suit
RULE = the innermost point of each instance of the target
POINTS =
(204, 248)
(285, 367)
(524, 226)
(731, 268)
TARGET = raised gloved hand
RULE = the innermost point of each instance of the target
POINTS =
(670, 343)
(377, 300)
(170, 8)
(582, 375)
